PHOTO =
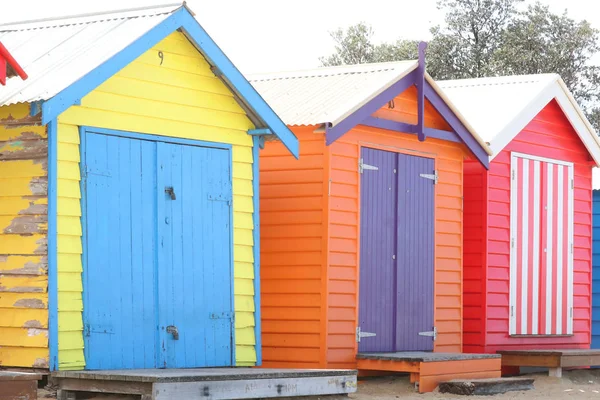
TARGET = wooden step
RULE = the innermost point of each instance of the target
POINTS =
(18, 385)
(214, 383)
(475, 387)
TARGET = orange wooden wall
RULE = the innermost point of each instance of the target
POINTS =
(549, 135)
(310, 240)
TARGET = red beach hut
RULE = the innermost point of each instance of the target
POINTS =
(528, 219)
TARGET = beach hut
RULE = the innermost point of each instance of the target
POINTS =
(361, 238)
(128, 195)
(528, 219)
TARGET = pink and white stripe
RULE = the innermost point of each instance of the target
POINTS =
(541, 270)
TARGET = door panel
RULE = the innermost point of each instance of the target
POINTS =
(377, 305)
(541, 267)
(154, 259)
(396, 297)
(119, 318)
(195, 270)
(415, 280)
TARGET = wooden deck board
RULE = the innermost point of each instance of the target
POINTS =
(555, 360)
(216, 383)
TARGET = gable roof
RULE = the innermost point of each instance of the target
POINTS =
(500, 107)
(68, 57)
(329, 95)
(9, 67)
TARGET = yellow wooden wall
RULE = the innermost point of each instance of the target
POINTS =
(180, 98)
(23, 244)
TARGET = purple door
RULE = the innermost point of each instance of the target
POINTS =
(396, 252)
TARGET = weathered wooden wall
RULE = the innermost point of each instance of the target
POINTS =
(23, 244)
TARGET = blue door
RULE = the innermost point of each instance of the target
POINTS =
(194, 275)
(396, 287)
(157, 254)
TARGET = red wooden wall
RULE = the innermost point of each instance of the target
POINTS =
(486, 322)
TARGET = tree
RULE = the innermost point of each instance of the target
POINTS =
(472, 32)
(491, 38)
(538, 41)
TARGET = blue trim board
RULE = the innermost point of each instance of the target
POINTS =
(595, 269)
(83, 203)
(182, 18)
(156, 138)
(53, 243)
(256, 246)
(232, 261)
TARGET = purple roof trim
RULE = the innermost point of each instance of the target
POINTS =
(460, 129)
(334, 133)
(403, 127)
(420, 84)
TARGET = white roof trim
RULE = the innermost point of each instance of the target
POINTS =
(556, 89)
(459, 115)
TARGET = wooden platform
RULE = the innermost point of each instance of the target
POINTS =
(554, 360)
(18, 385)
(428, 370)
(209, 383)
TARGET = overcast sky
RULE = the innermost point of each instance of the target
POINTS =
(272, 35)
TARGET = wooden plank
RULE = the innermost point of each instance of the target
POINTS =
(104, 386)
(18, 390)
(466, 366)
(579, 360)
(549, 361)
(429, 383)
(385, 365)
(257, 388)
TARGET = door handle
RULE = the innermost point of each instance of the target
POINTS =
(173, 331)
(171, 192)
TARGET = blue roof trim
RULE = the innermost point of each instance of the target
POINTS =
(182, 18)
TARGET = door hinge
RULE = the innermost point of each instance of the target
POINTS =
(432, 334)
(512, 311)
(572, 184)
(512, 242)
(362, 166)
(433, 177)
(360, 334)
(513, 174)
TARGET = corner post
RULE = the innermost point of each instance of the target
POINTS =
(420, 84)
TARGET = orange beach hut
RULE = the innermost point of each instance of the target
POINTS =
(361, 238)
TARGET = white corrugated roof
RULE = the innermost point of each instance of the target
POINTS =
(326, 95)
(56, 53)
(490, 104)
(499, 108)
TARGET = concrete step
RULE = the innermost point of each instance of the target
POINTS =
(473, 387)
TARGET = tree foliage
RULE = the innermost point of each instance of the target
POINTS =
(492, 38)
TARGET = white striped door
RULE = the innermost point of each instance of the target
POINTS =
(541, 253)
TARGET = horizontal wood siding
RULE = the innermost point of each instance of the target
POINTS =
(174, 95)
(292, 250)
(344, 227)
(474, 256)
(549, 135)
(23, 242)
